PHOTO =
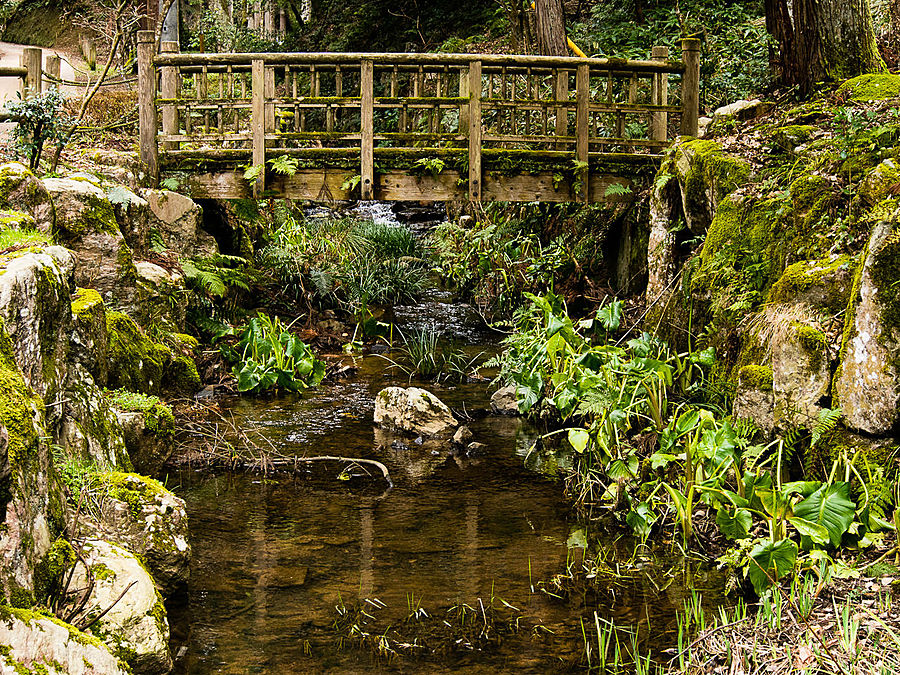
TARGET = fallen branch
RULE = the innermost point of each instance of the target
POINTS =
(330, 458)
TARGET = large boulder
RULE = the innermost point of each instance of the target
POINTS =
(177, 222)
(801, 375)
(89, 430)
(86, 223)
(133, 216)
(868, 383)
(34, 643)
(414, 411)
(754, 398)
(504, 401)
(161, 297)
(136, 627)
(89, 341)
(148, 520)
(149, 428)
(21, 190)
(35, 307)
(823, 284)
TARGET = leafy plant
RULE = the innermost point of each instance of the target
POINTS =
(41, 120)
(271, 357)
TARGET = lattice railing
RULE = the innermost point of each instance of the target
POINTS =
(463, 108)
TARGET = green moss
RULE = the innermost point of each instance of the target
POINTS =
(131, 488)
(755, 377)
(790, 136)
(97, 216)
(880, 183)
(813, 342)
(50, 571)
(11, 178)
(182, 375)
(872, 87)
(22, 598)
(85, 300)
(16, 220)
(158, 417)
(799, 279)
(135, 362)
(885, 274)
(709, 171)
(20, 407)
(101, 572)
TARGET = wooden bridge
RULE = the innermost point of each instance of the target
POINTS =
(439, 127)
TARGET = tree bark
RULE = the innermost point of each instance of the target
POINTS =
(551, 28)
(822, 40)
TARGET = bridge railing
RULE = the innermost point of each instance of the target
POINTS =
(419, 111)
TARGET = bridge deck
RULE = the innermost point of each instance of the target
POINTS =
(409, 126)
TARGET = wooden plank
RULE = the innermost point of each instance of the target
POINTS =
(582, 144)
(660, 92)
(169, 92)
(416, 60)
(52, 70)
(258, 124)
(464, 94)
(475, 176)
(561, 93)
(269, 93)
(147, 104)
(690, 87)
(367, 130)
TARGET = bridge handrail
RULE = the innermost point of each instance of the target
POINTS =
(251, 104)
(193, 60)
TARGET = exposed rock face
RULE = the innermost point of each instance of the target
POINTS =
(801, 375)
(177, 220)
(148, 520)
(868, 385)
(149, 437)
(21, 190)
(136, 627)
(86, 223)
(824, 284)
(133, 216)
(34, 305)
(413, 410)
(755, 399)
(35, 643)
(89, 341)
(504, 401)
(160, 297)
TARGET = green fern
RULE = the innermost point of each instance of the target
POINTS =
(825, 424)
(286, 166)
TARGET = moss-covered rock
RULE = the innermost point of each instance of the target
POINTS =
(181, 375)
(791, 136)
(178, 224)
(822, 283)
(135, 627)
(872, 87)
(136, 362)
(34, 304)
(148, 425)
(21, 191)
(90, 340)
(801, 375)
(31, 642)
(151, 522)
(86, 223)
(161, 300)
(880, 183)
(868, 386)
(754, 399)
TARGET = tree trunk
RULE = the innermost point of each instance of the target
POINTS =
(822, 40)
(551, 28)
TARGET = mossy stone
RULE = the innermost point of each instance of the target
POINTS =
(871, 87)
(755, 377)
(135, 361)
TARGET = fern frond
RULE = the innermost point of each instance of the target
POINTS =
(825, 424)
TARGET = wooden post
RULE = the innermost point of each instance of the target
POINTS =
(367, 130)
(464, 108)
(659, 121)
(89, 51)
(31, 59)
(169, 90)
(582, 141)
(147, 103)
(52, 71)
(258, 123)
(475, 131)
(269, 92)
(561, 93)
(690, 87)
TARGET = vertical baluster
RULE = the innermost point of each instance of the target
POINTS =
(690, 87)
(582, 139)
(475, 131)
(659, 121)
(367, 130)
(169, 90)
(258, 124)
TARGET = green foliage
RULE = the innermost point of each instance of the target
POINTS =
(16, 238)
(41, 120)
(270, 357)
(283, 164)
(425, 353)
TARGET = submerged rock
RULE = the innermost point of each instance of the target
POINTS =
(504, 401)
(414, 411)
(136, 627)
(33, 643)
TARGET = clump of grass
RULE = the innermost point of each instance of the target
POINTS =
(425, 354)
(13, 239)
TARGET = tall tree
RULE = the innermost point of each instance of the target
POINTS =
(551, 28)
(822, 40)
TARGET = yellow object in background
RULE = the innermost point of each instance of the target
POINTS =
(569, 42)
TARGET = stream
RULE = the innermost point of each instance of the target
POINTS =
(274, 556)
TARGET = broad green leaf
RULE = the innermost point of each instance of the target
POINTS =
(734, 525)
(830, 507)
(578, 439)
(812, 530)
(640, 519)
(770, 562)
